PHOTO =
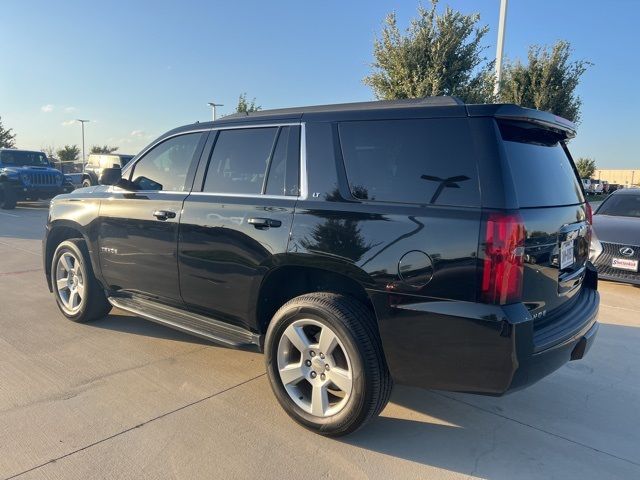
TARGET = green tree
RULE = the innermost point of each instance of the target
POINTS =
(439, 54)
(586, 166)
(245, 106)
(69, 153)
(547, 82)
(104, 149)
(7, 137)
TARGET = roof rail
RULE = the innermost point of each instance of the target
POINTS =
(443, 101)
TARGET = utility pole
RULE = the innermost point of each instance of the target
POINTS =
(84, 159)
(500, 46)
(213, 106)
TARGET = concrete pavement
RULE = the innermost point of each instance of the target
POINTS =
(126, 398)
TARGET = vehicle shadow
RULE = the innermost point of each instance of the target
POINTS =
(484, 436)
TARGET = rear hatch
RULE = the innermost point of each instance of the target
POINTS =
(555, 216)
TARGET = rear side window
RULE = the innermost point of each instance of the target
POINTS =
(283, 168)
(542, 172)
(424, 161)
(239, 160)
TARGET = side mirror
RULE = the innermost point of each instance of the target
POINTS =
(110, 176)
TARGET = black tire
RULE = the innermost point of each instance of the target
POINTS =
(7, 198)
(354, 326)
(86, 183)
(94, 304)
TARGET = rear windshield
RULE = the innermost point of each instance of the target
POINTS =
(624, 205)
(423, 161)
(541, 170)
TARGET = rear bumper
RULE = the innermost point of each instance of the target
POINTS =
(478, 348)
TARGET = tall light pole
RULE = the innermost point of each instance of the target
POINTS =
(82, 122)
(500, 47)
(213, 106)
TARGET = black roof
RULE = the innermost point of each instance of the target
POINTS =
(406, 108)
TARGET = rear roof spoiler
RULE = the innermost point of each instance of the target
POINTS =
(513, 112)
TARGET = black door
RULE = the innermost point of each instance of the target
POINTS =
(138, 229)
(234, 230)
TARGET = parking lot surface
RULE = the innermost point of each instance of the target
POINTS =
(126, 398)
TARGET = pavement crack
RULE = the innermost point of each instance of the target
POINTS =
(524, 424)
(122, 432)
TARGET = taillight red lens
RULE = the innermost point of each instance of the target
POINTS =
(589, 213)
(503, 259)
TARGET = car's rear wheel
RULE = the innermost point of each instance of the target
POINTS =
(325, 363)
(7, 198)
(78, 294)
(86, 183)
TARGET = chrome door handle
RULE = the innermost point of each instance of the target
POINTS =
(264, 223)
(164, 215)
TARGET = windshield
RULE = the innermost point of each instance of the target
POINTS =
(625, 205)
(23, 159)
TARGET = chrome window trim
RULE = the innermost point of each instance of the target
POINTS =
(303, 185)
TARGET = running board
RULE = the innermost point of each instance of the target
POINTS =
(201, 326)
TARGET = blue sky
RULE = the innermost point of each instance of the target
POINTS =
(139, 68)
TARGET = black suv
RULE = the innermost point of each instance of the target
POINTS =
(425, 242)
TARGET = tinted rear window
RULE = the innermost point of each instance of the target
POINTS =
(428, 161)
(541, 171)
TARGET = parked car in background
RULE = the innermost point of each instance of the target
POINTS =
(605, 187)
(615, 245)
(74, 179)
(357, 245)
(28, 175)
(98, 162)
(597, 187)
(587, 185)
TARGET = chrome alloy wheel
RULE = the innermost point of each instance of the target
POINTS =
(314, 368)
(70, 282)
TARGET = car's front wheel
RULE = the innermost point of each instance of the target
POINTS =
(86, 183)
(325, 363)
(78, 294)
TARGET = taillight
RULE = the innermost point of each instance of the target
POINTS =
(503, 259)
(589, 213)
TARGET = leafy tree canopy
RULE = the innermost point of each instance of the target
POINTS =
(548, 81)
(104, 149)
(245, 106)
(7, 137)
(439, 54)
(69, 153)
(586, 166)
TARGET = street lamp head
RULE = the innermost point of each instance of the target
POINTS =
(82, 121)
(213, 104)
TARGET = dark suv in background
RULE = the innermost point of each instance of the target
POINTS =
(424, 242)
(27, 175)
